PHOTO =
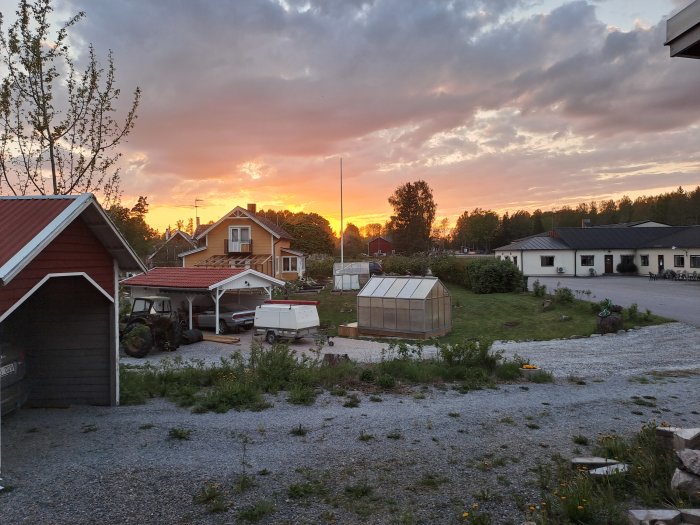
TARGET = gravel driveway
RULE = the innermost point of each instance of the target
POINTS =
(424, 458)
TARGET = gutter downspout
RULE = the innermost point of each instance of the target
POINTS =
(575, 268)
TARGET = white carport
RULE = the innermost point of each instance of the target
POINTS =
(196, 281)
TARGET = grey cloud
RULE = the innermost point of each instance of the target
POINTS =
(226, 82)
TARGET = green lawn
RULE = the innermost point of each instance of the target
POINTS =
(504, 316)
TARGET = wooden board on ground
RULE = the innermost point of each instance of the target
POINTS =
(229, 339)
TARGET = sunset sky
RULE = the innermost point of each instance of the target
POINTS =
(498, 104)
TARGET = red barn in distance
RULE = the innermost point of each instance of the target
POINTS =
(379, 246)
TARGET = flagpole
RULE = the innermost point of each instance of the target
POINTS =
(341, 212)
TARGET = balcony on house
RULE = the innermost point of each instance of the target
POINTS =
(232, 247)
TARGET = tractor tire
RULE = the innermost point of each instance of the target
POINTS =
(191, 336)
(136, 345)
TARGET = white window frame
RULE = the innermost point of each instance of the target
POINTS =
(240, 241)
(644, 260)
(546, 258)
(287, 264)
(592, 258)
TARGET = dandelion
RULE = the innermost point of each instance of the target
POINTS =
(562, 498)
(475, 505)
(465, 515)
(532, 508)
(579, 507)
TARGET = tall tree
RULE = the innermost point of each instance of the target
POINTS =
(414, 213)
(477, 230)
(132, 224)
(372, 230)
(55, 120)
(353, 245)
(311, 233)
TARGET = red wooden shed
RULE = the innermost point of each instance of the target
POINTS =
(60, 257)
(379, 246)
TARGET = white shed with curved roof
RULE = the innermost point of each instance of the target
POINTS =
(412, 307)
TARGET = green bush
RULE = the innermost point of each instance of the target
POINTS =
(564, 295)
(633, 312)
(492, 276)
(472, 353)
(448, 268)
(540, 290)
(319, 266)
(626, 267)
(401, 265)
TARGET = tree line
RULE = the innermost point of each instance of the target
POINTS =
(484, 230)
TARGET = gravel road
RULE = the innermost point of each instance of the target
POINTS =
(424, 457)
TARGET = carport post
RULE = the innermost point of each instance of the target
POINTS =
(190, 299)
(218, 292)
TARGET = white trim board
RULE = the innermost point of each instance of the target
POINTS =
(46, 278)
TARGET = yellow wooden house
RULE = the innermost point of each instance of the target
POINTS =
(242, 239)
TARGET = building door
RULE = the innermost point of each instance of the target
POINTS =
(238, 239)
(661, 263)
(608, 264)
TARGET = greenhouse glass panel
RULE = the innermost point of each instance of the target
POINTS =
(396, 288)
(424, 289)
(408, 289)
(403, 320)
(370, 287)
(389, 318)
(384, 285)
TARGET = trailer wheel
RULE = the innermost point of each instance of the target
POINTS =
(330, 342)
(270, 337)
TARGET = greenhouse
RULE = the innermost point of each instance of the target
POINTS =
(412, 307)
(350, 276)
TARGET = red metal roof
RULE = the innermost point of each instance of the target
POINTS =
(182, 278)
(22, 219)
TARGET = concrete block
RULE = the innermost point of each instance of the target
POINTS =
(691, 516)
(686, 438)
(617, 468)
(592, 462)
(651, 516)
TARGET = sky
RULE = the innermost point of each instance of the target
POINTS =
(496, 104)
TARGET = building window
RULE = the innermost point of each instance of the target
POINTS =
(546, 260)
(679, 261)
(695, 261)
(644, 260)
(627, 259)
(507, 258)
(289, 264)
(587, 260)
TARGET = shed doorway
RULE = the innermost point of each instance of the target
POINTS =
(66, 329)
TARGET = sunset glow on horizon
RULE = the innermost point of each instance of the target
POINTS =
(503, 106)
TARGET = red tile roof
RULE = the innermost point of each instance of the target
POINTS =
(22, 219)
(182, 278)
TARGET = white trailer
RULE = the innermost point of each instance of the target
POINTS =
(286, 319)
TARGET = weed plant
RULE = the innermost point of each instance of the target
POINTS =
(572, 496)
(243, 384)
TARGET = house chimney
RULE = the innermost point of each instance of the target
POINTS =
(252, 208)
(167, 233)
(197, 223)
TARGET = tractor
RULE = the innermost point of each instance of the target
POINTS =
(152, 322)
